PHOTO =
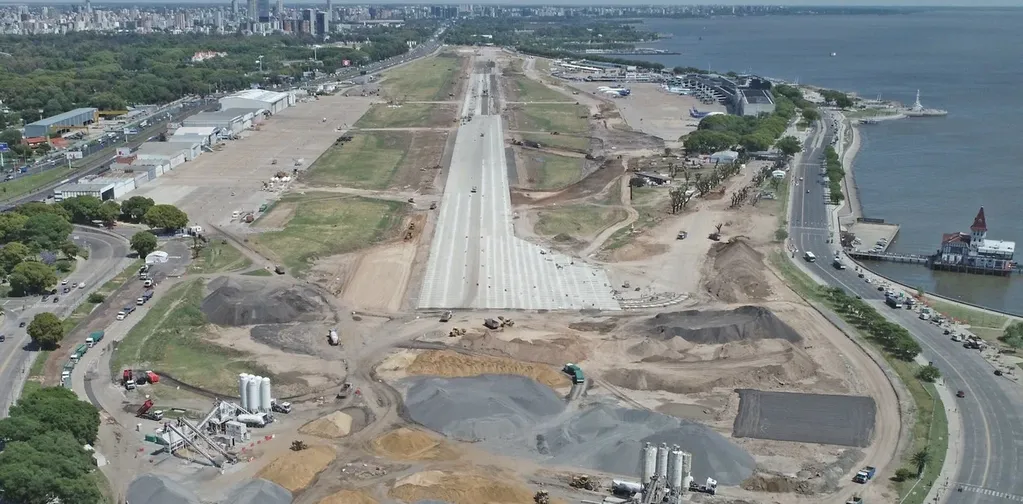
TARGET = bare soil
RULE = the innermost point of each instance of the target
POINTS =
(296, 470)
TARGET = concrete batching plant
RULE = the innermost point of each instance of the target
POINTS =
(666, 474)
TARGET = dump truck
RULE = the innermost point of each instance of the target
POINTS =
(146, 411)
(79, 353)
(864, 475)
(491, 323)
(94, 338)
(574, 372)
(856, 499)
(346, 389)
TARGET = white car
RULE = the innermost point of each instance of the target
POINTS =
(81, 285)
(63, 282)
(120, 315)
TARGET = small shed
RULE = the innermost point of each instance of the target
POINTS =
(728, 156)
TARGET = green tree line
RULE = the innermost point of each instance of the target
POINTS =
(891, 337)
(749, 133)
(835, 173)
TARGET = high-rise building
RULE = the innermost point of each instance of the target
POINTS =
(253, 12)
(264, 10)
(322, 23)
(234, 9)
(280, 9)
(330, 11)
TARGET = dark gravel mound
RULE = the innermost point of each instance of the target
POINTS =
(721, 326)
(238, 302)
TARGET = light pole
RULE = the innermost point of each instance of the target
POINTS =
(260, 61)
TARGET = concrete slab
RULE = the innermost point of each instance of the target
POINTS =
(475, 259)
(870, 232)
(805, 418)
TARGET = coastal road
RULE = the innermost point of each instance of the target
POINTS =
(992, 411)
(107, 256)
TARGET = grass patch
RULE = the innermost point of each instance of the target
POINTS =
(542, 64)
(122, 277)
(567, 142)
(407, 115)
(651, 205)
(219, 256)
(965, 314)
(327, 224)
(551, 171)
(930, 427)
(258, 273)
(579, 220)
(560, 117)
(29, 183)
(529, 90)
(429, 79)
(171, 339)
(369, 161)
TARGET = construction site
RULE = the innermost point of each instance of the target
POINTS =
(540, 327)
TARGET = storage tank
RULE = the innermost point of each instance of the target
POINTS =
(662, 462)
(264, 395)
(243, 393)
(254, 419)
(687, 465)
(649, 462)
(252, 388)
(675, 465)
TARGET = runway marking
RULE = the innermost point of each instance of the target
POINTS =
(990, 492)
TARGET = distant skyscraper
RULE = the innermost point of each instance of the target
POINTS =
(322, 24)
(264, 10)
(253, 12)
(234, 9)
(280, 9)
(330, 11)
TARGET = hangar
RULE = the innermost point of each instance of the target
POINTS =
(230, 122)
(76, 118)
(272, 101)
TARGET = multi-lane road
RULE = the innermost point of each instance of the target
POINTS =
(991, 414)
(108, 254)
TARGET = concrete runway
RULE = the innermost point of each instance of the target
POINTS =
(107, 256)
(991, 412)
(475, 259)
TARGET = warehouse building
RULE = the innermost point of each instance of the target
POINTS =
(192, 148)
(73, 119)
(753, 102)
(206, 135)
(174, 154)
(101, 190)
(229, 122)
(272, 101)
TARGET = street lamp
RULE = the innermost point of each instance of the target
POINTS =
(260, 61)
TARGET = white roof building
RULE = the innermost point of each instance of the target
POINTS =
(272, 101)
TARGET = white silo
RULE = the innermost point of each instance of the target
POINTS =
(662, 462)
(243, 393)
(687, 464)
(676, 463)
(649, 462)
(264, 395)
(253, 392)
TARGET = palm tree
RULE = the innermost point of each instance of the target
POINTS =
(921, 458)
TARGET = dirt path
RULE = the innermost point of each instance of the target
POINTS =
(401, 196)
(598, 242)
(414, 128)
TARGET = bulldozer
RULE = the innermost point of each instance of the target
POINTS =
(584, 482)
(298, 445)
(455, 332)
(506, 322)
(542, 497)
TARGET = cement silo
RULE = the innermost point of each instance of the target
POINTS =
(252, 388)
(264, 395)
(675, 468)
(649, 462)
(243, 393)
(662, 462)
(687, 468)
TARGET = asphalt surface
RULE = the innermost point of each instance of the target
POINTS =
(991, 412)
(17, 352)
(476, 261)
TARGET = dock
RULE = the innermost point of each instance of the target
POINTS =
(871, 232)
(890, 257)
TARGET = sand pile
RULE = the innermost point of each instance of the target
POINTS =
(334, 425)
(659, 350)
(348, 497)
(459, 488)
(554, 351)
(412, 444)
(518, 416)
(296, 470)
(738, 272)
(715, 327)
(455, 365)
(240, 302)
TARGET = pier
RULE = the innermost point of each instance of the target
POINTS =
(890, 257)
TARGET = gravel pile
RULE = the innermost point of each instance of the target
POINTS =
(716, 327)
(516, 415)
(238, 302)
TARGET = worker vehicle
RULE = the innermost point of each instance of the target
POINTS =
(809, 256)
(94, 338)
(279, 270)
(574, 372)
(864, 475)
(710, 488)
(280, 407)
(491, 323)
(473, 188)
(446, 316)
(345, 391)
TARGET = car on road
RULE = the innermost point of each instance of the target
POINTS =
(46, 297)
(3, 338)
(960, 394)
(81, 285)
(473, 188)
(55, 299)
(63, 282)
(21, 324)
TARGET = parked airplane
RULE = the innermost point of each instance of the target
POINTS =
(696, 114)
(615, 90)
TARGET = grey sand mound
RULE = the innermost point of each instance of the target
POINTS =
(715, 327)
(240, 302)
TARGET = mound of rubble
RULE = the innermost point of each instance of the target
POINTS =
(243, 302)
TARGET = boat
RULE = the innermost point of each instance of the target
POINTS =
(918, 110)
(834, 54)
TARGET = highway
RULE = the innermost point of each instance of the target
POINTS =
(992, 411)
(107, 256)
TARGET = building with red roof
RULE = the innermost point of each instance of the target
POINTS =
(973, 252)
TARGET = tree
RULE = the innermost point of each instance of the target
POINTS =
(929, 373)
(810, 115)
(46, 231)
(708, 141)
(31, 277)
(920, 459)
(58, 408)
(12, 255)
(134, 208)
(11, 137)
(1013, 335)
(46, 330)
(902, 474)
(143, 242)
(96, 298)
(165, 217)
(11, 226)
(789, 146)
(82, 209)
(69, 249)
(108, 213)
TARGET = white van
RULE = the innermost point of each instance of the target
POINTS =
(809, 256)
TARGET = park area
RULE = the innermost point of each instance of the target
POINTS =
(317, 225)
(550, 117)
(369, 161)
(408, 115)
(429, 79)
